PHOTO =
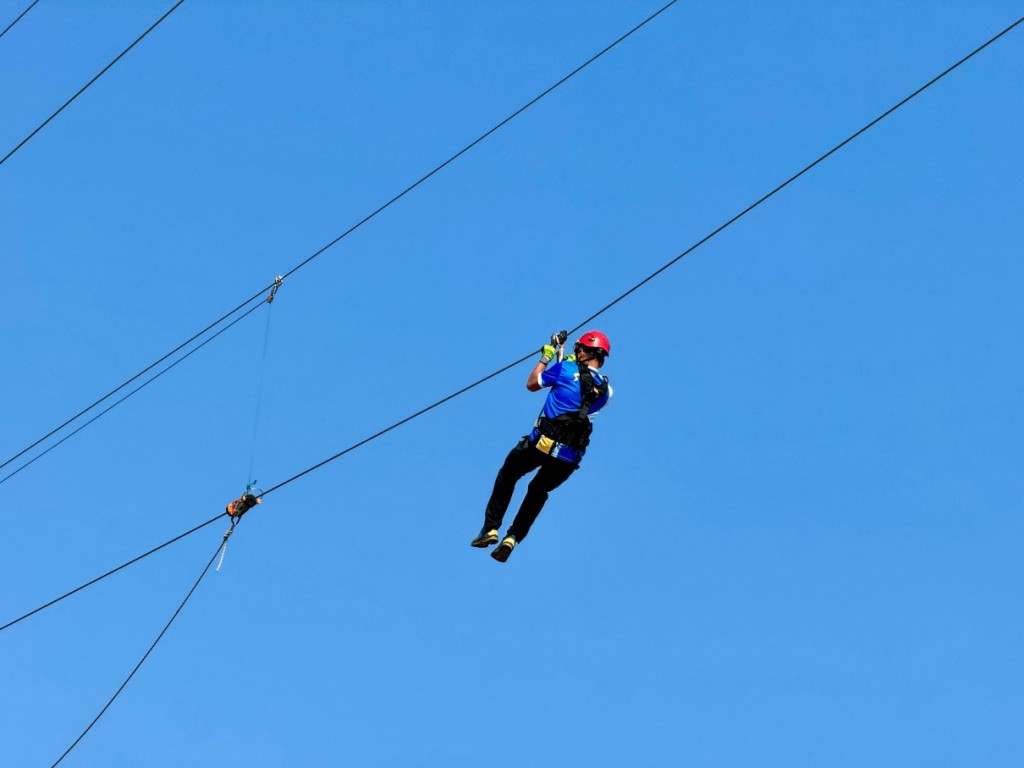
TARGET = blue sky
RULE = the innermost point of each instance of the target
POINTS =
(796, 538)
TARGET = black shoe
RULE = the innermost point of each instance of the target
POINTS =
(503, 550)
(485, 538)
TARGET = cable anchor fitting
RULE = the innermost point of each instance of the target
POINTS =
(273, 291)
(240, 506)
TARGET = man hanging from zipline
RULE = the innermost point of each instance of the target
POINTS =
(559, 438)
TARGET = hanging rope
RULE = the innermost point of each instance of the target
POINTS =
(259, 388)
(224, 544)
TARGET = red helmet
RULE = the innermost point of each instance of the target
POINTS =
(595, 340)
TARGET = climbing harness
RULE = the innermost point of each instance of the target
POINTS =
(572, 429)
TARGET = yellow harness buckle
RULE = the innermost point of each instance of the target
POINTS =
(545, 444)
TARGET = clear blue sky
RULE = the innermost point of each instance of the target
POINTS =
(796, 538)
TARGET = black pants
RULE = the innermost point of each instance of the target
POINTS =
(522, 459)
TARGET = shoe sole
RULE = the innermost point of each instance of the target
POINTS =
(501, 553)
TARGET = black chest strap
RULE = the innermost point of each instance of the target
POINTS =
(590, 392)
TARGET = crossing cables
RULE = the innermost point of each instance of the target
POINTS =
(602, 310)
(146, 654)
(596, 314)
(111, 572)
(347, 232)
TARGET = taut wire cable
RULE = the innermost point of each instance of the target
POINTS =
(85, 87)
(9, 26)
(145, 655)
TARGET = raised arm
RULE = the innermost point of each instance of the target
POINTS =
(533, 381)
(547, 353)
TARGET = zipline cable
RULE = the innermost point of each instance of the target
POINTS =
(116, 403)
(797, 175)
(86, 86)
(397, 424)
(483, 136)
(661, 269)
(111, 572)
(607, 306)
(143, 372)
(145, 656)
(360, 223)
(8, 28)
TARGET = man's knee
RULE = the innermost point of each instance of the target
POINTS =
(550, 477)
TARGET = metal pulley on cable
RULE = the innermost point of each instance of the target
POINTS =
(240, 506)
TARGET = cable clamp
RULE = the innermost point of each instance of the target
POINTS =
(240, 506)
(273, 291)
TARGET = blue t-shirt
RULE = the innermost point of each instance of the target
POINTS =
(564, 397)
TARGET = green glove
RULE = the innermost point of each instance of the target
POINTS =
(570, 359)
(547, 354)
